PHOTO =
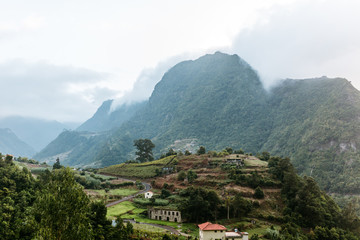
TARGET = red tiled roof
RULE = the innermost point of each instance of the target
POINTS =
(208, 226)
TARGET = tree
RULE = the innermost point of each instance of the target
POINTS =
(187, 153)
(265, 156)
(200, 204)
(57, 164)
(144, 147)
(17, 194)
(171, 152)
(201, 150)
(241, 207)
(191, 176)
(259, 194)
(99, 223)
(181, 176)
(61, 208)
(120, 231)
(165, 193)
(229, 150)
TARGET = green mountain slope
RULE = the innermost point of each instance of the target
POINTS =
(219, 101)
(11, 144)
(213, 99)
(316, 123)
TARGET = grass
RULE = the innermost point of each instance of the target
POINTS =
(120, 191)
(104, 177)
(191, 229)
(128, 210)
(255, 163)
(259, 231)
(145, 227)
(122, 208)
(147, 220)
(138, 170)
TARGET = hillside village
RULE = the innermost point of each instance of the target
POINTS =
(208, 195)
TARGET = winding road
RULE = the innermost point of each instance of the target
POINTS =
(147, 188)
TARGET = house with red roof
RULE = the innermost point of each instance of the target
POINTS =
(210, 231)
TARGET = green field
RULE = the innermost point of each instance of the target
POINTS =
(128, 210)
(126, 207)
(149, 228)
(138, 170)
(255, 163)
(120, 191)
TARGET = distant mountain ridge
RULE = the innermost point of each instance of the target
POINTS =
(35, 132)
(219, 101)
(11, 144)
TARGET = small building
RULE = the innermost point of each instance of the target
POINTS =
(164, 214)
(149, 194)
(236, 159)
(209, 231)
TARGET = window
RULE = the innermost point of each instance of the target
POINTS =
(177, 213)
(215, 231)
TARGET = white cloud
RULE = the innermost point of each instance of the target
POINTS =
(308, 39)
(148, 78)
(48, 91)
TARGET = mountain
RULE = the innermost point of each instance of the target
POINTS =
(11, 144)
(219, 101)
(35, 132)
(213, 99)
(82, 146)
(79, 147)
(317, 123)
(105, 119)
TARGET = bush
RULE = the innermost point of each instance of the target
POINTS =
(165, 193)
(147, 202)
(255, 237)
(191, 176)
(259, 194)
(181, 176)
(201, 150)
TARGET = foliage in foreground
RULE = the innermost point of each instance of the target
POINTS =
(52, 207)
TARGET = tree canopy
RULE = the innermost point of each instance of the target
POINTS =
(144, 150)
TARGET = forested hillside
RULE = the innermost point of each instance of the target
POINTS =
(316, 123)
(218, 100)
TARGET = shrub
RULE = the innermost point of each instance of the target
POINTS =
(259, 194)
(181, 176)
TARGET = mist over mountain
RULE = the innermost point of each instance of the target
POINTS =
(35, 132)
(219, 101)
(106, 118)
(11, 144)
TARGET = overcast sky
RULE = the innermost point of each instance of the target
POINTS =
(60, 59)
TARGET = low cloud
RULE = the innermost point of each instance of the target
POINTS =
(307, 39)
(148, 78)
(63, 93)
